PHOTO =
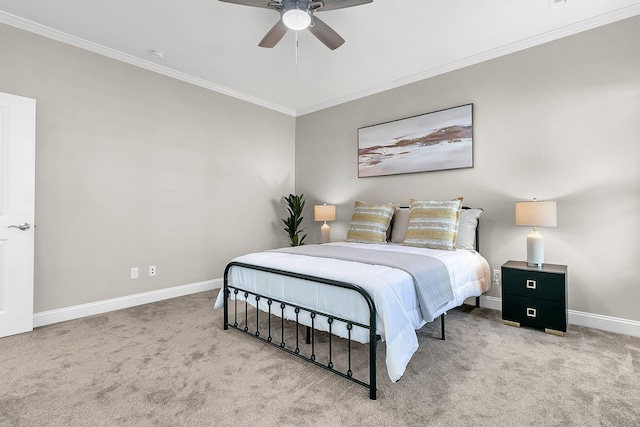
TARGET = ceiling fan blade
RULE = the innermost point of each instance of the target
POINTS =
(274, 35)
(254, 3)
(341, 4)
(326, 34)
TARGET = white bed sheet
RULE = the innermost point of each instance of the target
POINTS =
(392, 291)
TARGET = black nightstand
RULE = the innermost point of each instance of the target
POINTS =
(535, 297)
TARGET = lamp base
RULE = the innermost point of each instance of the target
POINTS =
(535, 249)
(326, 232)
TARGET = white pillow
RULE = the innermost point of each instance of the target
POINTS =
(400, 225)
(467, 228)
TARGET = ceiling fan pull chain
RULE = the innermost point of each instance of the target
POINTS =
(296, 48)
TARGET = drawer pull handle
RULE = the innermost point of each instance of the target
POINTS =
(531, 284)
(532, 312)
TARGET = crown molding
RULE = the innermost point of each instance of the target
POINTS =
(588, 24)
(42, 30)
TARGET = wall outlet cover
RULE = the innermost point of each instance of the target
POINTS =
(497, 276)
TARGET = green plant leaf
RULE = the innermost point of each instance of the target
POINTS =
(295, 206)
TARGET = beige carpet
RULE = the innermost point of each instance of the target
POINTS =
(171, 364)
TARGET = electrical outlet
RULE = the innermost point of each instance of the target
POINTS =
(135, 273)
(497, 276)
(152, 270)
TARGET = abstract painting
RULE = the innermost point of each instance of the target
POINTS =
(435, 141)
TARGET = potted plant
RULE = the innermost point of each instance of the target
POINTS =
(295, 205)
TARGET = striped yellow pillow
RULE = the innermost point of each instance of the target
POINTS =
(369, 223)
(433, 224)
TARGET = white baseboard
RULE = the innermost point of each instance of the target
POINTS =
(606, 323)
(597, 321)
(493, 303)
(580, 318)
(83, 310)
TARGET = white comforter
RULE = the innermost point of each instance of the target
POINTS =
(392, 291)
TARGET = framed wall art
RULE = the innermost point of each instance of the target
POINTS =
(435, 141)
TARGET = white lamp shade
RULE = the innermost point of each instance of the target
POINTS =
(536, 214)
(324, 213)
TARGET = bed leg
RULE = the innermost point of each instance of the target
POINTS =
(477, 302)
(308, 335)
(373, 342)
(442, 325)
(226, 305)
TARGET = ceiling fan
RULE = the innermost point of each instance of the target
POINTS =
(298, 15)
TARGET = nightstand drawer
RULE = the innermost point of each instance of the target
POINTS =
(537, 313)
(548, 286)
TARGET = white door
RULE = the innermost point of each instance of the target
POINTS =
(17, 199)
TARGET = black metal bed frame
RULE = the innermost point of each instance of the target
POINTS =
(310, 337)
(310, 330)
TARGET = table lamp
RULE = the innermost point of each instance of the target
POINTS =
(536, 214)
(325, 213)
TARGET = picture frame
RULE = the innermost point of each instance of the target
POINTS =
(436, 141)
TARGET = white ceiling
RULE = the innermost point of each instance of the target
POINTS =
(388, 43)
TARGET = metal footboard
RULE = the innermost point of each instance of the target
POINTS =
(277, 308)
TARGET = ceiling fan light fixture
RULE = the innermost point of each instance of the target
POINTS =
(296, 19)
(300, 15)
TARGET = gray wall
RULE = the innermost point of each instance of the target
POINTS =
(558, 122)
(134, 169)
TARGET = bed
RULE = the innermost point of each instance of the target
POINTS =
(360, 290)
